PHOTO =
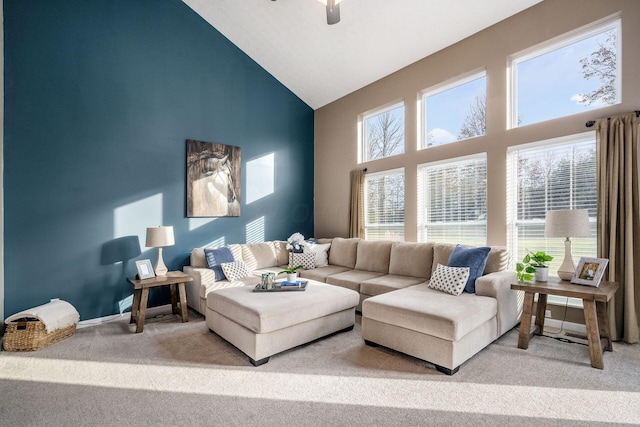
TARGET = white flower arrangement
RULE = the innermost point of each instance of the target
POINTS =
(295, 242)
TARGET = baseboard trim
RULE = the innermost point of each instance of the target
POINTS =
(124, 317)
(565, 326)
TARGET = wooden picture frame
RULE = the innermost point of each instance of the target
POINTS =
(590, 271)
(145, 270)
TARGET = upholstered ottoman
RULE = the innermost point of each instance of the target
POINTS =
(262, 324)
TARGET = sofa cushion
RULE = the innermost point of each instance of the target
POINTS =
(419, 308)
(352, 278)
(411, 259)
(320, 252)
(373, 256)
(198, 258)
(343, 252)
(474, 258)
(235, 270)
(215, 257)
(321, 274)
(259, 255)
(387, 283)
(451, 280)
(498, 259)
(282, 254)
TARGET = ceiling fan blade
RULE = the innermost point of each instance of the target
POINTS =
(333, 12)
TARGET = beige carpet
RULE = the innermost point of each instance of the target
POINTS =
(182, 374)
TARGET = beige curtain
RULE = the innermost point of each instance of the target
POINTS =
(619, 219)
(356, 220)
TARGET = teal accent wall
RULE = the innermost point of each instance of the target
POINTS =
(100, 98)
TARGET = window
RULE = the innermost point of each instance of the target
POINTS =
(383, 133)
(576, 74)
(455, 111)
(452, 201)
(384, 205)
(551, 175)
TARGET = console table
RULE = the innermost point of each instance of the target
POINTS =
(141, 295)
(594, 302)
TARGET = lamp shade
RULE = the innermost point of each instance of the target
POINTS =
(567, 223)
(158, 237)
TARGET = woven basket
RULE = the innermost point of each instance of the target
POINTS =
(30, 334)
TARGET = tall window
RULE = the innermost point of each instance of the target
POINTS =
(383, 133)
(384, 205)
(551, 175)
(455, 111)
(452, 201)
(576, 74)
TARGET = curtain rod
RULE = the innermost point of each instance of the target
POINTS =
(593, 122)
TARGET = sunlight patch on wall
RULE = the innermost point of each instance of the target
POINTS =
(255, 231)
(219, 242)
(199, 222)
(125, 303)
(133, 219)
(260, 177)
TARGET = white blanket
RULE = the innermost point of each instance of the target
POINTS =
(55, 315)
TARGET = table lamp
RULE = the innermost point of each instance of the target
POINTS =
(567, 223)
(159, 237)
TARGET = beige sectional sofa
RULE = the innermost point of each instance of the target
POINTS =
(398, 308)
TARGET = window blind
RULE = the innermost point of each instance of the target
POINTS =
(452, 201)
(384, 205)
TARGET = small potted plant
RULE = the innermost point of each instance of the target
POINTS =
(524, 272)
(292, 273)
(538, 260)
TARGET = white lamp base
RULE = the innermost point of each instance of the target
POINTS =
(161, 269)
(566, 270)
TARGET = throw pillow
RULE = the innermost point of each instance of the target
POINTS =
(474, 258)
(215, 257)
(235, 270)
(307, 261)
(449, 279)
(320, 252)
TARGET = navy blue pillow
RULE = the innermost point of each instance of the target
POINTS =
(215, 257)
(474, 258)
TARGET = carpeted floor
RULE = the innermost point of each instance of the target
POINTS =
(182, 374)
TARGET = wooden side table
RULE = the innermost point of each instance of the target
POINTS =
(594, 302)
(141, 295)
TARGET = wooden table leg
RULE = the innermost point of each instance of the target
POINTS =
(174, 300)
(136, 305)
(144, 297)
(603, 323)
(183, 303)
(593, 333)
(525, 321)
(540, 313)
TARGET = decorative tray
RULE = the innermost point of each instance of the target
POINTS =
(283, 287)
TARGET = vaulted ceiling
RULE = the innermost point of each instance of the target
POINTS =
(321, 63)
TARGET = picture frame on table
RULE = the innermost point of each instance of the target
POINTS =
(145, 270)
(590, 271)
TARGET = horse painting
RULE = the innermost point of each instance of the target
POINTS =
(213, 179)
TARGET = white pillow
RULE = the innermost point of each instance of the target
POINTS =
(307, 261)
(451, 280)
(235, 270)
(320, 250)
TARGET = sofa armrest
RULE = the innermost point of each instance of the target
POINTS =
(196, 288)
(498, 286)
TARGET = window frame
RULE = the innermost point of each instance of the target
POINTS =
(362, 129)
(613, 22)
(512, 203)
(440, 88)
